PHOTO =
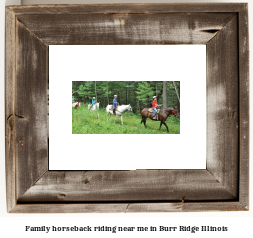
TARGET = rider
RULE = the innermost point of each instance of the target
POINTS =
(114, 103)
(93, 102)
(154, 106)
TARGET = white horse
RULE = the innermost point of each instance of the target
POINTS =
(94, 108)
(121, 109)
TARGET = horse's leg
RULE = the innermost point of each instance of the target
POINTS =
(109, 115)
(160, 125)
(122, 119)
(166, 126)
(115, 118)
(145, 123)
(141, 120)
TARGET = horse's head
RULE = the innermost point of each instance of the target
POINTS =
(170, 111)
(130, 108)
(175, 112)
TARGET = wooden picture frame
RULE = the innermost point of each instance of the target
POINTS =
(222, 186)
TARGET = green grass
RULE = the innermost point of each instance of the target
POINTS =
(87, 122)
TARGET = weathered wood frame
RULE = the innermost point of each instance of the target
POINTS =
(222, 186)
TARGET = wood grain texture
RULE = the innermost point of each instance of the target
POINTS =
(30, 108)
(129, 207)
(139, 185)
(9, 109)
(223, 107)
(129, 8)
(244, 106)
(120, 29)
(223, 186)
(186, 207)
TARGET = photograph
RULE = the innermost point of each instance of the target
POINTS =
(122, 147)
(132, 99)
(125, 107)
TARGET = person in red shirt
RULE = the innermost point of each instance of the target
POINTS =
(154, 106)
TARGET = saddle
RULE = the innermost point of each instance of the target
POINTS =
(152, 110)
(116, 108)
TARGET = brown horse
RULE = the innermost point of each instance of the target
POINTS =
(176, 114)
(76, 104)
(162, 116)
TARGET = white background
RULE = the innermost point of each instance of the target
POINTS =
(184, 63)
(240, 223)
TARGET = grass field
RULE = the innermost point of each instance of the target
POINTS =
(87, 122)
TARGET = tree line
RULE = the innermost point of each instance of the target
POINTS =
(137, 93)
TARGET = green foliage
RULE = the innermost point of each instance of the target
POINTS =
(87, 122)
(145, 92)
(137, 93)
(172, 95)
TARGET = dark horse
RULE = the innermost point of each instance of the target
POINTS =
(162, 116)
